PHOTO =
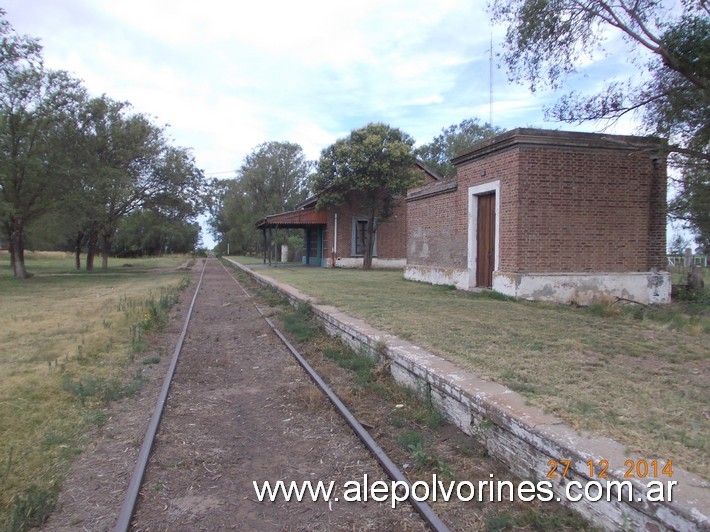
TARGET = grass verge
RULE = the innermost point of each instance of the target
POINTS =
(66, 348)
(632, 373)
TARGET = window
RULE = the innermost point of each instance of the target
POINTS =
(360, 231)
(359, 236)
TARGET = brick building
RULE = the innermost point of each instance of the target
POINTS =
(336, 237)
(546, 215)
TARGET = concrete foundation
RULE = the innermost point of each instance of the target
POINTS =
(433, 275)
(649, 288)
(356, 262)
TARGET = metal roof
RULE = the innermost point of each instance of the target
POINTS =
(297, 218)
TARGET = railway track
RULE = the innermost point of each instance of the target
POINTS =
(234, 410)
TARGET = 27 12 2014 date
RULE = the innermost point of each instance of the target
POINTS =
(599, 469)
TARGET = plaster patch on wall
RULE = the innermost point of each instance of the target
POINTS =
(356, 262)
(419, 237)
(434, 275)
(659, 287)
(505, 283)
(585, 288)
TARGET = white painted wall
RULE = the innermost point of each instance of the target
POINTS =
(428, 274)
(649, 288)
(356, 262)
(585, 288)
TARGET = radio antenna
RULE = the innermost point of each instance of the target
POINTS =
(490, 83)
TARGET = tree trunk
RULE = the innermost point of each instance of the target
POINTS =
(369, 243)
(8, 231)
(17, 251)
(77, 248)
(91, 243)
(105, 249)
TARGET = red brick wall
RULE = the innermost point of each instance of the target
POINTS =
(391, 234)
(583, 210)
(437, 231)
(578, 205)
(501, 166)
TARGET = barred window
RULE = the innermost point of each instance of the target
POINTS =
(360, 231)
(359, 237)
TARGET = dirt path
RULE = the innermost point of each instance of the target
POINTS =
(239, 410)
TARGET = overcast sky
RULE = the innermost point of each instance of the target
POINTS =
(227, 75)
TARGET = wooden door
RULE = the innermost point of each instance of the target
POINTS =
(486, 240)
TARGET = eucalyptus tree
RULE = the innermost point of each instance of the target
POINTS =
(233, 218)
(273, 178)
(36, 107)
(172, 192)
(127, 163)
(375, 163)
(668, 84)
(115, 152)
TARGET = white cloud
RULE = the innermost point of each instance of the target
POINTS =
(246, 70)
(228, 76)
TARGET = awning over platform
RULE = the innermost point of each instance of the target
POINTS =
(294, 219)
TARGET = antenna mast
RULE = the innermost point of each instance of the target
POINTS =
(490, 84)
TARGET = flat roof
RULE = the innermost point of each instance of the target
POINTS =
(558, 139)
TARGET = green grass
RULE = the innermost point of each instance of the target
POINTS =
(361, 364)
(56, 262)
(638, 375)
(66, 343)
(409, 438)
(301, 323)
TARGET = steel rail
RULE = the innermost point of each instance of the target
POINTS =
(424, 510)
(129, 502)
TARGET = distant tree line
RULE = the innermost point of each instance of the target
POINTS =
(85, 173)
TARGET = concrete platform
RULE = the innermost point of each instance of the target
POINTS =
(523, 436)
